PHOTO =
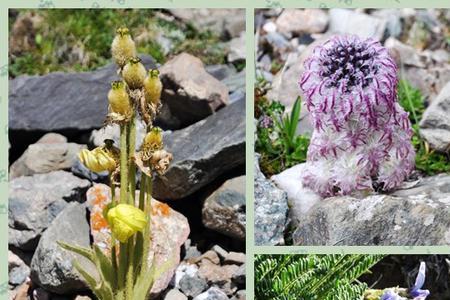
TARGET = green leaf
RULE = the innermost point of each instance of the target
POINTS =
(104, 266)
(85, 252)
(295, 116)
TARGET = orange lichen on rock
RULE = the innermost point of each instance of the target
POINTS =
(100, 198)
(161, 208)
(98, 222)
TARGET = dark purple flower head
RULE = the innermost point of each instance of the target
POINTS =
(349, 85)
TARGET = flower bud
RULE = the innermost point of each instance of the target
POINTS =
(119, 100)
(134, 73)
(153, 87)
(153, 140)
(123, 47)
(98, 160)
(125, 220)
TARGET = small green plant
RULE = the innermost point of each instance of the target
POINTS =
(277, 143)
(128, 271)
(311, 277)
(428, 161)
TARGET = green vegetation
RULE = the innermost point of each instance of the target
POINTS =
(310, 277)
(79, 39)
(277, 143)
(427, 160)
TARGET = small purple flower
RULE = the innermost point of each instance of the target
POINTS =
(416, 290)
(390, 295)
(266, 122)
(360, 131)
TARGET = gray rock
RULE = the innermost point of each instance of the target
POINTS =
(202, 152)
(220, 251)
(435, 123)
(221, 72)
(393, 21)
(18, 271)
(240, 295)
(189, 92)
(192, 286)
(237, 49)
(347, 21)
(34, 201)
(403, 54)
(62, 101)
(190, 251)
(235, 82)
(212, 293)
(52, 267)
(239, 276)
(44, 158)
(416, 215)
(298, 21)
(278, 42)
(235, 258)
(82, 171)
(175, 294)
(224, 210)
(270, 211)
(236, 96)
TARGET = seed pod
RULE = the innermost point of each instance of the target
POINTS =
(123, 47)
(160, 161)
(126, 220)
(134, 73)
(153, 140)
(118, 98)
(153, 87)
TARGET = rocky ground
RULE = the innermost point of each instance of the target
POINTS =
(416, 214)
(199, 215)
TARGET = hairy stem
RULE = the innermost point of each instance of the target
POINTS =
(123, 163)
(113, 240)
(147, 231)
(132, 166)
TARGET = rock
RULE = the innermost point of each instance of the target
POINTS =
(393, 21)
(235, 258)
(215, 274)
(190, 251)
(41, 294)
(62, 101)
(235, 82)
(345, 21)
(34, 201)
(210, 256)
(417, 215)
(190, 93)
(52, 138)
(269, 27)
(170, 230)
(221, 21)
(237, 49)
(220, 72)
(182, 270)
(236, 96)
(435, 123)
(175, 294)
(271, 208)
(44, 158)
(240, 295)
(18, 271)
(80, 170)
(202, 152)
(21, 293)
(404, 55)
(277, 41)
(298, 21)
(220, 251)
(52, 266)
(82, 298)
(212, 293)
(224, 210)
(192, 286)
(239, 275)
(112, 132)
(300, 198)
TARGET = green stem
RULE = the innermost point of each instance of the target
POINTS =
(132, 167)
(123, 163)
(130, 272)
(113, 240)
(147, 232)
(139, 236)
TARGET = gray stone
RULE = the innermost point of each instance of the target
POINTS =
(175, 294)
(221, 72)
(18, 271)
(236, 96)
(220, 251)
(190, 93)
(34, 201)
(237, 49)
(347, 21)
(271, 209)
(239, 276)
(212, 293)
(278, 42)
(202, 152)
(417, 214)
(240, 295)
(62, 101)
(190, 251)
(393, 21)
(44, 158)
(235, 258)
(224, 210)
(435, 123)
(404, 55)
(192, 286)
(52, 267)
(235, 82)
(298, 21)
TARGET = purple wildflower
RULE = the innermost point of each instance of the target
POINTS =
(390, 295)
(416, 290)
(360, 131)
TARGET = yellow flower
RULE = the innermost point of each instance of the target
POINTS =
(123, 47)
(125, 220)
(153, 140)
(98, 160)
(134, 73)
(118, 99)
(153, 87)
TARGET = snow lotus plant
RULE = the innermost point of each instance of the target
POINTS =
(126, 273)
(362, 136)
